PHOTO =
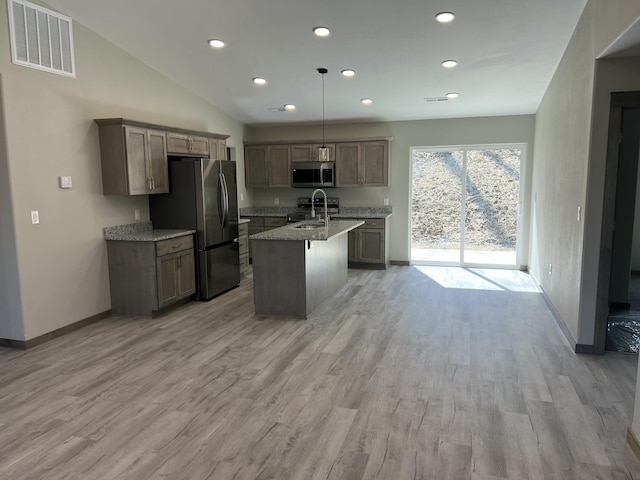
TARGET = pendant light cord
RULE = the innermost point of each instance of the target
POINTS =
(323, 146)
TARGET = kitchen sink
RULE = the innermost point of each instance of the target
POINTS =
(310, 226)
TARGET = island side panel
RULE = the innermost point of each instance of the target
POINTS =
(279, 277)
(326, 270)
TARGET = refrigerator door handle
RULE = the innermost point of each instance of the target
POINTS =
(223, 200)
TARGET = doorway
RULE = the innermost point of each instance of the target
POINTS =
(466, 205)
(617, 220)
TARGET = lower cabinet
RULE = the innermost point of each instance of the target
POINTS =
(368, 245)
(148, 276)
(243, 241)
(176, 277)
(262, 224)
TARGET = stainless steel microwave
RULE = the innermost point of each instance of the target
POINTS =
(313, 174)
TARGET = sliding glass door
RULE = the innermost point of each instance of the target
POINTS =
(465, 205)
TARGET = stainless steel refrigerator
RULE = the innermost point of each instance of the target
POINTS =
(203, 197)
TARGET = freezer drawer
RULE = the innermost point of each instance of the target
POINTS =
(219, 270)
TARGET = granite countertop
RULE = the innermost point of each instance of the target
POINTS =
(363, 212)
(266, 211)
(142, 232)
(345, 212)
(322, 233)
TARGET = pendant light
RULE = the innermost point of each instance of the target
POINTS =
(323, 151)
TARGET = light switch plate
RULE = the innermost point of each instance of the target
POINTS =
(65, 182)
(385, 201)
(35, 217)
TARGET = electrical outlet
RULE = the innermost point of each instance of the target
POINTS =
(550, 269)
(241, 197)
(136, 214)
(385, 200)
(35, 217)
(579, 212)
(276, 201)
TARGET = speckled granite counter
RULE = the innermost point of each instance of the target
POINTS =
(319, 233)
(345, 212)
(266, 211)
(363, 212)
(142, 232)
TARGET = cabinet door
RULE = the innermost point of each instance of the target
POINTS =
(255, 166)
(187, 144)
(186, 274)
(167, 268)
(353, 246)
(157, 162)
(301, 153)
(218, 149)
(279, 165)
(347, 164)
(375, 164)
(371, 245)
(307, 152)
(137, 153)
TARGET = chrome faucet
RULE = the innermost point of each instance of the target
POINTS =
(313, 205)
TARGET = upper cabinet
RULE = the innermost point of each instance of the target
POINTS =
(309, 152)
(362, 164)
(267, 166)
(359, 162)
(134, 160)
(134, 155)
(183, 144)
(218, 149)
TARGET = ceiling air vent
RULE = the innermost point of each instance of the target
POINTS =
(41, 38)
(436, 99)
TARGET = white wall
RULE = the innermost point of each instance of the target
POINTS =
(466, 131)
(568, 170)
(61, 263)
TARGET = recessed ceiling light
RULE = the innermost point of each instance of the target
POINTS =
(452, 95)
(216, 43)
(445, 17)
(449, 63)
(347, 72)
(289, 106)
(321, 31)
(366, 101)
(259, 80)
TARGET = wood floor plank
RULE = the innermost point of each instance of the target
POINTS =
(408, 373)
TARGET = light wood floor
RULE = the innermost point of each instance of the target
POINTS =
(400, 376)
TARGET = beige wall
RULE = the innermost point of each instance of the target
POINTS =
(489, 130)
(49, 127)
(568, 163)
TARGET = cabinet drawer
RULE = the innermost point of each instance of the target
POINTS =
(274, 222)
(255, 222)
(373, 223)
(164, 247)
(243, 229)
(243, 244)
(244, 262)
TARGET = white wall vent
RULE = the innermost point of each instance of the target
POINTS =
(41, 38)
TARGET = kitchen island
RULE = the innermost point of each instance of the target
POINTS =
(296, 268)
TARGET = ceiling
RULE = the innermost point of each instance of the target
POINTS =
(507, 51)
